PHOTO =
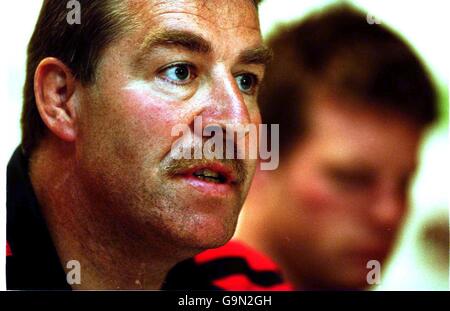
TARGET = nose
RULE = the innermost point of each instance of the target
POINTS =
(226, 104)
(389, 209)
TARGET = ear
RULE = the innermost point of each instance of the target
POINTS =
(54, 87)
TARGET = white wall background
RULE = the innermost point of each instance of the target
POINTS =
(17, 20)
(423, 23)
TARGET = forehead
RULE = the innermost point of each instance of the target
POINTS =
(217, 20)
(233, 13)
(355, 132)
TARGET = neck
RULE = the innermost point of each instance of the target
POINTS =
(254, 231)
(109, 256)
(253, 228)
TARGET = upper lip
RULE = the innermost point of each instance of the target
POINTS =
(226, 171)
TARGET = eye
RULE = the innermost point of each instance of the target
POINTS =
(178, 73)
(350, 179)
(247, 82)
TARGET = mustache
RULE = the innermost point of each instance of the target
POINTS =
(172, 167)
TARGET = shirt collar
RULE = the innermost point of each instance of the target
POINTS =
(34, 263)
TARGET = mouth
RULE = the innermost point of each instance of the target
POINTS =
(210, 176)
(216, 173)
(224, 178)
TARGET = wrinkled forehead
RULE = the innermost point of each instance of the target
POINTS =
(216, 19)
(224, 13)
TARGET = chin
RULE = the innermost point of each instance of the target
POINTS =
(209, 232)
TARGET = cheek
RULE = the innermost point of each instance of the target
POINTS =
(255, 114)
(128, 130)
(319, 207)
(322, 217)
(321, 200)
(313, 193)
(144, 122)
(150, 115)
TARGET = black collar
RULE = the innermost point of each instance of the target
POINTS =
(34, 263)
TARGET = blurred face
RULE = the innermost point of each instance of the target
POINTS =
(343, 194)
(186, 59)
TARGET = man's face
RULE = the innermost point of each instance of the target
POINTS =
(344, 193)
(186, 59)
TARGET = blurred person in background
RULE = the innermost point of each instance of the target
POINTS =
(353, 101)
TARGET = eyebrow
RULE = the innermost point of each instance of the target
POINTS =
(258, 55)
(196, 43)
(184, 39)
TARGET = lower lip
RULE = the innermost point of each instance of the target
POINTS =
(209, 188)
